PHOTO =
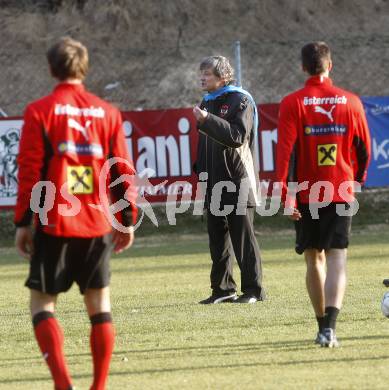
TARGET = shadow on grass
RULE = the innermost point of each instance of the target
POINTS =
(196, 243)
(241, 347)
(13, 259)
(284, 345)
(324, 360)
(17, 276)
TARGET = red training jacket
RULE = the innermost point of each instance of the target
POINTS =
(325, 126)
(66, 138)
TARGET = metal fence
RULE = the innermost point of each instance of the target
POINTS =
(166, 75)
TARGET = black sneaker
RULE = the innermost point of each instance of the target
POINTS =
(386, 282)
(246, 298)
(217, 298)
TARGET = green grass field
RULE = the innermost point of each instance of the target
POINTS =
(165, 340)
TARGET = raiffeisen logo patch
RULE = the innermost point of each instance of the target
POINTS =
(326, 154)
(325, 130)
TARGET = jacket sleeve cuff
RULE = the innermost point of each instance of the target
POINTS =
(128, 215)
(25, 220)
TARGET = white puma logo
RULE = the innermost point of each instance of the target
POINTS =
(76, 126)
(321, 110)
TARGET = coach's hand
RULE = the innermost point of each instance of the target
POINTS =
(122, 240)
(23, 241)
(200, 115)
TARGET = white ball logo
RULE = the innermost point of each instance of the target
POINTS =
(385, 304)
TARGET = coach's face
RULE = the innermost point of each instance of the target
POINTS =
(209, 81)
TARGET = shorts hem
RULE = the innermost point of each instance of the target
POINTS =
(45, 291)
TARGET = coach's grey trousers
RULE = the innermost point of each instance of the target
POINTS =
(229, 235)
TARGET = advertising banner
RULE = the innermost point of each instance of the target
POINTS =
(9, 149)
(377, 113)
(163, 143)
(163, 146)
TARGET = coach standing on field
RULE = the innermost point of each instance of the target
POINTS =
(67, 137)
(227, 121)
(320, 125)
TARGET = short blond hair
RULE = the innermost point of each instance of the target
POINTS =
(68, 58)
(220, 66)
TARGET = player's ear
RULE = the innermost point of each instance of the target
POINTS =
(329, 65)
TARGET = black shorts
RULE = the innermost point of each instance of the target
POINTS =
(330, 231)
(57, 262)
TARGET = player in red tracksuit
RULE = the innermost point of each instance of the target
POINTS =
(72, 146)
(323, 131)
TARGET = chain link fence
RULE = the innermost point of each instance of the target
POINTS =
(165, 76)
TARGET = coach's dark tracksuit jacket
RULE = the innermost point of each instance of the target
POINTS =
(226, 153)
(226, 148)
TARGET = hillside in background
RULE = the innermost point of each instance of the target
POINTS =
(145, 54)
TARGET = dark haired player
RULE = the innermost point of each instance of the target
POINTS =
(320, 125)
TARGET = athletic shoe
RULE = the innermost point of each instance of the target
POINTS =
(320, 338)
(386, 282)
(246, 298)
(217, 298)
(330, 340)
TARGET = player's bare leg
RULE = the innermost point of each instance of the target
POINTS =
(98, 305)
(40, 301)
(49, 336)
(315, 279)
(97, 300)
(334, 288)
(335, 285)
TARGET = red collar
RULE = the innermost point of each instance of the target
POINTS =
(62, 86)
(319, 80)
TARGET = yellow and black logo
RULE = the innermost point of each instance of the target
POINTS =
(326, 154)
(80, 180)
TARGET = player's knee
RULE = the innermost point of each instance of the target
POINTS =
(97, 300)
(40, 302)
